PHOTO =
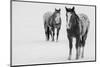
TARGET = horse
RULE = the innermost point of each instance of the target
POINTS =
(52, 21)
(77, 27)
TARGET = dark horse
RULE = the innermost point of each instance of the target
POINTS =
(52, 21)
(77, 28)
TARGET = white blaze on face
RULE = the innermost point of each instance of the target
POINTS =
(68, 19)
(57, 19)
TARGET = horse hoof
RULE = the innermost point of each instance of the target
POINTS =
(47, 40)
(52, 40)
(56, 40)
(82, 56)
(69, 58)
(77, 58)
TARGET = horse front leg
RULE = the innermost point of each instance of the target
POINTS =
(77, 47)
(57, 34)
(53, 31)
(70, 47)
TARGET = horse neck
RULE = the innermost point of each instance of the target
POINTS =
(75, 17)
(74, 21)
(53, 15)
(74, 14)
(52, 19)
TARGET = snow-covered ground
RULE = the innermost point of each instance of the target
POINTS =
(28, 38)
(37, 52)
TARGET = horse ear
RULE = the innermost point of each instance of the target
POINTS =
(55, 9)
(73, 8)
(66, 8)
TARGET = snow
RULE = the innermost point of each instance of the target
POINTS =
(38, 52)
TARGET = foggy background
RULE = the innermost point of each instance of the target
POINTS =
(28, 38)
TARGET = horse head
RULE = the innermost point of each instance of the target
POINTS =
(70, 16)
(57, 15)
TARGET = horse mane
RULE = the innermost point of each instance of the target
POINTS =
(53, 15)
(52, 18)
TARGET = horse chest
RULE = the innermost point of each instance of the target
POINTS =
(57, 19)
(74, 30)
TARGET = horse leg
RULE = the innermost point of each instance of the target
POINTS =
(53, 31)
(57, 34)
(83, 43)
(77, 47)
(45, 28)
(70, 46)
(82, 52)
(47, 33)
(50, 32)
